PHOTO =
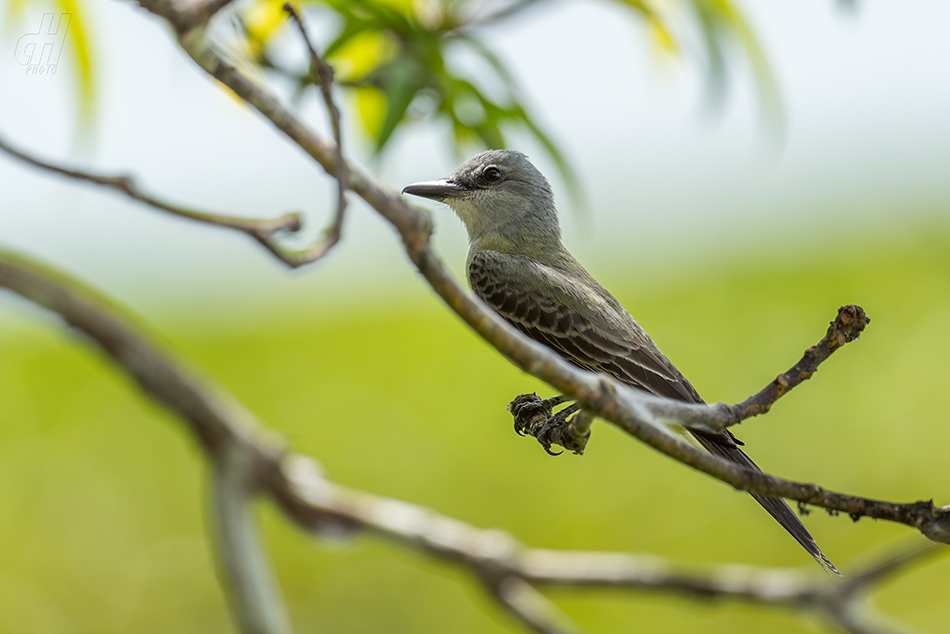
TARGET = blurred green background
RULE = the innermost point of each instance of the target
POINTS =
(732, 242)
(103, 527)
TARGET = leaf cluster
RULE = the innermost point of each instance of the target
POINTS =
(402, 61)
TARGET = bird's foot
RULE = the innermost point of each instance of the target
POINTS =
(551, 431)
(535, 416)
(530, 410)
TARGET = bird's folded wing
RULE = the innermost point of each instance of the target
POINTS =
(572, 314)
(576, 317)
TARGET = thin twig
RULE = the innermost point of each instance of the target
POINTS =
(321, 74)
(225, 429)
(846, 327)
(264, 230)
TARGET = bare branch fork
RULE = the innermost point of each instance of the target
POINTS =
(638, 414)
(247, 459)
(265, 231)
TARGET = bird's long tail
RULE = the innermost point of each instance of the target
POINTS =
(724, 446)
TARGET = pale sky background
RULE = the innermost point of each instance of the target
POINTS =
(867, 146)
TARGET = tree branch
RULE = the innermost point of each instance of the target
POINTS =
(846, 327)
(249, 459)
(640, 415)
(263, 230)
(255, 599)
(528, 605)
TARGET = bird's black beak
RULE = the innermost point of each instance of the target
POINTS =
(436, 190)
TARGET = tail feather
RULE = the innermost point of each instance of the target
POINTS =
(724, 446)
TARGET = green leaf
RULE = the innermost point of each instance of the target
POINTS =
(400, 83)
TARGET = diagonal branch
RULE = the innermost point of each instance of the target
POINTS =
(249, 459)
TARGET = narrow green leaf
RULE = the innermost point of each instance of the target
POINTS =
(401, 81)
(78, 38)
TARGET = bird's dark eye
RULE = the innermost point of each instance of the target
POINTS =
(492, 174)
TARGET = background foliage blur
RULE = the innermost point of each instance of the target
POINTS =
(101, 494)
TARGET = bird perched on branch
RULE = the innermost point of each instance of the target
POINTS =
(519, 267)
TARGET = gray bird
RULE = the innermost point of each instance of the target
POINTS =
(519, 267)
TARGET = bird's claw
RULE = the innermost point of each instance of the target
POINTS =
(535, 416)
(529, 410)
(545, 433)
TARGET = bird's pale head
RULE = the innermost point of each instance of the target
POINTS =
(497, 193)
